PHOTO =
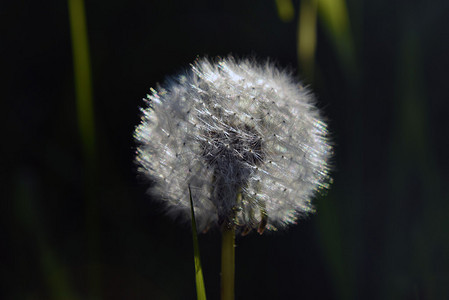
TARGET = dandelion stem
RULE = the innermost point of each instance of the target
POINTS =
(228, 262)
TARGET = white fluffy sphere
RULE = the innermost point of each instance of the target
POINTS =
(247, 138)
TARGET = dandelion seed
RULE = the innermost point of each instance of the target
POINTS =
(245, 137)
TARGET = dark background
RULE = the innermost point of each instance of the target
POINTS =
(79, 229)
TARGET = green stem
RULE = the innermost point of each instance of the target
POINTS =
(228, 263)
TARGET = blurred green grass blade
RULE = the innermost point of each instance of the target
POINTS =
(200, 289)
(28, 215)
(335, 18)
(335, 14)
(285, 9)
(332, 238)
(86, 124)
(55, 272)
(307, 37)
(82, 73)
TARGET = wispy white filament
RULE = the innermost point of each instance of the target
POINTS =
(247, 138)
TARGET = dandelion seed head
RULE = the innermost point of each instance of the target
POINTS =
(246, 137)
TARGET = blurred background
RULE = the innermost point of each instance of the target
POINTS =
(76, 220)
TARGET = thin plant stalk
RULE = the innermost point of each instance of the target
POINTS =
(228, 263)
(200, 289)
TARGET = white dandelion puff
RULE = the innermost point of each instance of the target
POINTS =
(245, 137)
